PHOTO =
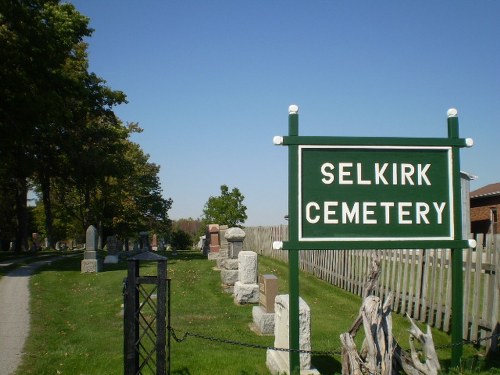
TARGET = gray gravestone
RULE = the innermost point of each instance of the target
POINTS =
(144, 241)
(113, 247)
(234, 237)
(91, 262)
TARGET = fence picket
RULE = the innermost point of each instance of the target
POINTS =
(421, 281)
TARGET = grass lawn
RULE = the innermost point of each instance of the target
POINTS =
(77, 326)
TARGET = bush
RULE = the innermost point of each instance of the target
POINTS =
(181, 240)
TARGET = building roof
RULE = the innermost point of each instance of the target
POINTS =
(490, 190)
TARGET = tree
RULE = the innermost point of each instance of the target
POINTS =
(37, 38)
(125, 200)
(226, 209)
(59, 132)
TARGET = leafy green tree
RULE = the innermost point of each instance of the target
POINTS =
(226, 209)
(36, 39)
(126, 201)
(59, 130)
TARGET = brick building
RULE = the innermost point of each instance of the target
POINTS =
(484, 208)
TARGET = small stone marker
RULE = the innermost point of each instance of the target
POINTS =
(263, 315)
(91, 262)
(268, 290)
(278, 362)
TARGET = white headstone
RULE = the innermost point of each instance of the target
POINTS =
(247, 267)
(278, 362)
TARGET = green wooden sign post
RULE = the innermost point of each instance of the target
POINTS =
(374, 193)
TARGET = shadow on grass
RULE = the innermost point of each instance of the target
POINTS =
(326, 364)
(183, 371)
(184, 255)
(71, 261)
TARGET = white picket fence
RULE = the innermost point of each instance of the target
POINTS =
(419, 279)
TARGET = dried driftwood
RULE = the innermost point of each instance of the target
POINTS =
(380, 353)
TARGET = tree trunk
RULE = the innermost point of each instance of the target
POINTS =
(47, 205)
(21, 215)
(380, 354)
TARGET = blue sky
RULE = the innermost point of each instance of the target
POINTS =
(210, 83)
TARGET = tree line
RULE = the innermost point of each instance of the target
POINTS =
(60, 136)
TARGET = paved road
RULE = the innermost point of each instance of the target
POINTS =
(14, 315)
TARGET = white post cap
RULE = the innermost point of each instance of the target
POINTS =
(293, 109)
(277, 245)
(452, 112)
(278, 140)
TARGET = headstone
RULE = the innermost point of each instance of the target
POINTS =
(100, 240)
(91, 262)
(268, 290)
(224, 246)
(214, 245)
(263, 322)
(113, 247)
(36, 241)
(229, 274)
(278, 362)
(154, 242)
(263, 315)
(235, 237)
(91, 239)
(201, 243)
(144, 240)
(246, 289)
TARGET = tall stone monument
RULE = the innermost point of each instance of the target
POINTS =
(229, 265)
(91, 261)
(214, 243)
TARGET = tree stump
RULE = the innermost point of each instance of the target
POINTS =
(380, 354)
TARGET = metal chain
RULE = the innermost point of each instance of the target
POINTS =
(248, 345)
(465, 342)
(312, 352)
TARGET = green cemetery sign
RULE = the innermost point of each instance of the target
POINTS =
(374, 193)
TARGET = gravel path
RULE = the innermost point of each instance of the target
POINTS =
(14, 315)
